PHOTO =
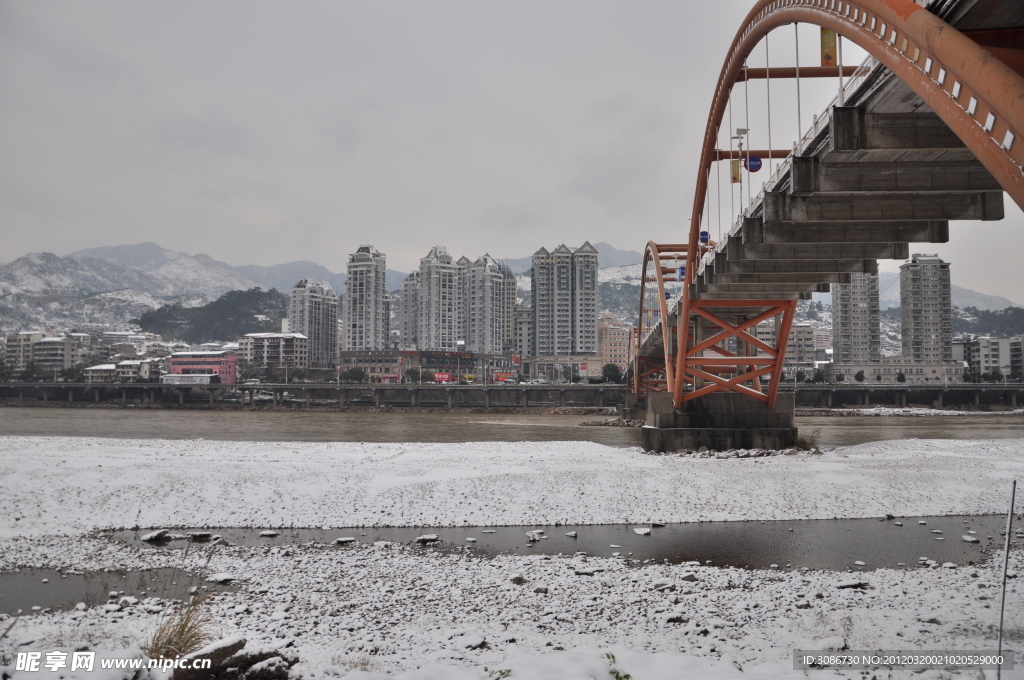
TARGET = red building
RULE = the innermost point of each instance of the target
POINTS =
(223, 363)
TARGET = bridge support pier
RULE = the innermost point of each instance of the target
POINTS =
(71, 395)
(211, 397)
(977, 397)
(181, 396)
(376, 398)
(451, 398)
(46, 396)
(719, 421)
(938, 402)
(96, 396)
(526, 399)
(1013, 399)
(561, 397)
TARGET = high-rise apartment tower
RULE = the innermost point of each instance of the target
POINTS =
(856, 336)
(926, 309)
(367, 323)
(313, 312)
(564, 286)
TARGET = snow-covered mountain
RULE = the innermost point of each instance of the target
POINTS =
(38, 273)
(147, 255)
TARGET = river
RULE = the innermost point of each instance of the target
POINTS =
(138, 423)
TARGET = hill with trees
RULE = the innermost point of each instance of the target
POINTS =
(233, 314)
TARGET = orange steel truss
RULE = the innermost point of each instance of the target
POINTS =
(979, 97)
(747, 367)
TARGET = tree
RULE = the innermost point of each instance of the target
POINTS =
(968, 376)
(997, 375)
(428, 376)
(819, 376)
(839, 377)
(29, 374)
(878, 377)
(859, 377)
(355, 374)
(801, 376)
(412, 375)
(611, 373)
(569, 374)
(900, 378)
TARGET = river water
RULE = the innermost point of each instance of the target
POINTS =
(139, 423)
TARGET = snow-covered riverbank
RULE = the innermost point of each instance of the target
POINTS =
(433, 615)
(376, 609)
(75, 485)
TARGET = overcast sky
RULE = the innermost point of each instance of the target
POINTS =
(265, 132)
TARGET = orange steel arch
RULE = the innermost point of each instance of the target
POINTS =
(980, 98)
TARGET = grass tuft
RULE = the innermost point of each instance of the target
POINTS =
(808, 441)
(186, 629)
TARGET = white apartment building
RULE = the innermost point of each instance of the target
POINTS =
(313, 313)
(462, 305)
(439, 318)
(367, 313)
(275, 350)
(564, 287)
(985, 355)
(19, 348)
(856, 335)
(485, 304)
(926, 309)
(53, 355)
(102, 373)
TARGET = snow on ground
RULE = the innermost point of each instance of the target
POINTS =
(373, 611)
(383, 608)
(915, 411)
(61, 485)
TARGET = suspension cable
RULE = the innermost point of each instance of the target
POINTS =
(746, 106)
(732, 193)
(799, 123)
(768, 88)
(718, 178)
(839, 49)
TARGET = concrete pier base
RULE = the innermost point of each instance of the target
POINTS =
(719, 421)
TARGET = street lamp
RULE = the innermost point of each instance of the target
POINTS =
(740, 135)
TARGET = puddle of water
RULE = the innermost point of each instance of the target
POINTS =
(26, 589)
(815, 544)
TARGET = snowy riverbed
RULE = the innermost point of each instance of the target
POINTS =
(388, 609)
(76, 485)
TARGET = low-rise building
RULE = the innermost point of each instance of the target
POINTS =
(1017, 357)
(553, 368)
(102, 373)
(137, 370)
(275, 350)
(888, 369)
(222, 363)
(390, 366)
